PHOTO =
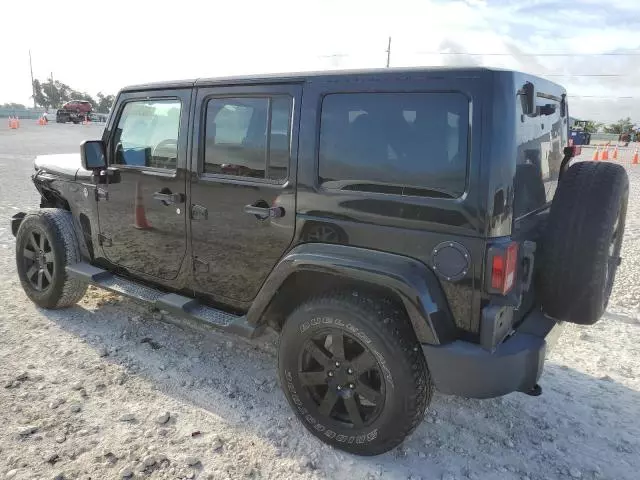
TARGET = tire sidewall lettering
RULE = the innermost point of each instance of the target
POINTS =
(318, 425)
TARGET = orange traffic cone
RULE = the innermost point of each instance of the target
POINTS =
(615, 153)
(13, 123)
(140, 219)
(17, 122)
(596, 154)
(605, 153)
(635, 157)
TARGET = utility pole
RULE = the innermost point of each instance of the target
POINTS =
(51, 90)
(389, 53)
(33, 87)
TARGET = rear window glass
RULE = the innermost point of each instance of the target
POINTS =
(398, 143)
(541, 139)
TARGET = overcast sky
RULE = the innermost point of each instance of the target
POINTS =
(102, 46)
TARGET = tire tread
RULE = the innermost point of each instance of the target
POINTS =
(396, 327)
(577, 238)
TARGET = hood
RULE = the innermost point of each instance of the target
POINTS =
(66, 164)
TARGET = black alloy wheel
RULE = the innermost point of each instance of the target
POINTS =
(38, 260)
(342, 377)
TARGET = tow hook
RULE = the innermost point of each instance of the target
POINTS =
(536, 391)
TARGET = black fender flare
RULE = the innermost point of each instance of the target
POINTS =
(411, 280)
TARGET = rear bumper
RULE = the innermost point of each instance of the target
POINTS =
(468, 370)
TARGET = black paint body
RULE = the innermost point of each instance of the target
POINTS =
(234, 261)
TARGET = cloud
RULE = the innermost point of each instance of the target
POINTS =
(254, 36)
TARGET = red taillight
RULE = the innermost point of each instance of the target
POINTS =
(497, 273)
(503, 269)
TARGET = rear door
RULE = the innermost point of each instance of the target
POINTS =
(243, 187)
(541, 138)
(143, 220)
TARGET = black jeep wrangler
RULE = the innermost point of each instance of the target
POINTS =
(403, 230)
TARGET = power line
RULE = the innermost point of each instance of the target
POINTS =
(604, 97)
(613, 75)
(495, 54)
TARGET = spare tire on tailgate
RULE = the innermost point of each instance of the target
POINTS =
(581, 244)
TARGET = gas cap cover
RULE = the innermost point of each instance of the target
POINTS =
(450, 260)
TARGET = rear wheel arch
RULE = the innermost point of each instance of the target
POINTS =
(313, 269)
(303, 285)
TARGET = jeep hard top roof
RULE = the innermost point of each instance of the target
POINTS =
(325, 75)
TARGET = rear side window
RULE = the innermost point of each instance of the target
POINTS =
(248, 137)
(398, 143)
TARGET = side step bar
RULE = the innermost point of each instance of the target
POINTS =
(173, 303)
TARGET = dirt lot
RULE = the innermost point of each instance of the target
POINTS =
(105, 389)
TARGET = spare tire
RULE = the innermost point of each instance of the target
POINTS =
(581, 244)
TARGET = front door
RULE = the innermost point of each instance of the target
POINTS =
(243, 187)
(143, 220)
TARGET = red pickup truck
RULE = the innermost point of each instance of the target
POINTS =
(73, 111)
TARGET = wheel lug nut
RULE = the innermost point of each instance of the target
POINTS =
(350, 371)
(337, 364)
(330, 374)
(351, 385)
(339, 387)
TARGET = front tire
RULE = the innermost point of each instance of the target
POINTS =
(46, 243)
(354, 372)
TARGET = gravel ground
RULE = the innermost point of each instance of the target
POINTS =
(105, 390)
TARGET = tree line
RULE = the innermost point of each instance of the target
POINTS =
(53, 94)
(624, 125)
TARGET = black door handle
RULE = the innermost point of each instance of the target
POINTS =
(262, 213)
(169, 198)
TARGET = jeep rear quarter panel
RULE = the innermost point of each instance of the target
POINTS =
(401, 222)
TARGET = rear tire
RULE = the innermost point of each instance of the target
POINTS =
(354, 372)
(46, 243)
(582, 242)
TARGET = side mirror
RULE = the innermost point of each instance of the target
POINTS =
(92, 155)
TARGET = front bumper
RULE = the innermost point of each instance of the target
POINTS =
(16, 220)
(468, 370)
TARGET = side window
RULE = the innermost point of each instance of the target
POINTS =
(147, 134)
(236, 134)
(400, 143)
